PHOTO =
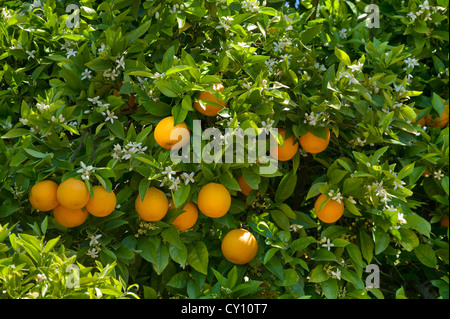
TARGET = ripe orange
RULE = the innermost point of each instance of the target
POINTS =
(154, 206)
(210, 110)
(330, 212)
(43, 195)
(188, 218)
(214, 200)
(444, 221)
(245, 188)
(239, 246)
(170, 136)
(314, 144)
(286, 152)
(73, 194)
(442, 120)
(103, 203)
(69, 217)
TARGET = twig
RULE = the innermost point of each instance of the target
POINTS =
(78, 148)
(316, 7)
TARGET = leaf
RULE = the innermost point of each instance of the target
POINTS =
(355, 254)
(51, 244)
(227, 180)
(178, 68)
(166, 88)
(367, 245)
(198, 257)
(139, 31)
(286, 187)
(426, 255)
(342, 56)
(330, 288)
(438, 103)
(408, 239)
(318, 275)
(16, 132)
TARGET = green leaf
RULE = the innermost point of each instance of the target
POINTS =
(286, 187)
(16, 132)
(198, 257)
(426, 255)
(367, 245)
(227, 180)
(51, 244)
(355, 254)
(438, 103)
(330, 288)
(318, 275)
(408, 239)
(342, 56)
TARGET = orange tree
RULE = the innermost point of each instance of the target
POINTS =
(360, 187)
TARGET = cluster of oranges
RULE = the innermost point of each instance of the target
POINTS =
(239, 246)
(71, 202)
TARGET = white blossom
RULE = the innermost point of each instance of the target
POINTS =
(110, 116)
(169, 172)
(31, 54)
(336, 273)
(188, 178)
(328, 245)
(71, 52)
(86, 74)
(93, 239)
(93, 252)
(85, 171)
(343, 33)
(411, 62)
(438, 174)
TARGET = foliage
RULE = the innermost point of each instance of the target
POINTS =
(84, 101)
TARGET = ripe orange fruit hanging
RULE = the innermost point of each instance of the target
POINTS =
(330, 212)
(245, 188)
(154, 206)
(170, 136)
(43, 195)
(103, 203)
(239, 246)
(442, 120)
(69, 217)
(214, 200)
(288, 150)
(188, 218)
(210, 109)
(73, 194)
(313, 144)
(444, 221)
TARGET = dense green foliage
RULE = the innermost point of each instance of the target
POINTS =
(319, 65)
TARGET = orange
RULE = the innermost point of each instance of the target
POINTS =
(73, 194)
(424, 120)
(69, 217)
(330, 212)
(286, 152)
(170, 136)
(103, 203)
(239, 246)
(210, 110)
(442, 120)
(154, 206)
(188, 218)
(43, 195)
(444, 221)
(314, 144)
(245, 188)
(214, 200)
